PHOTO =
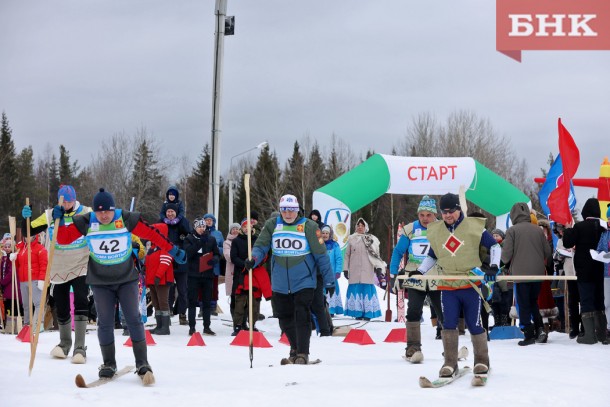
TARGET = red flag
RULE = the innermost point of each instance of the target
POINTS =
(570, 157)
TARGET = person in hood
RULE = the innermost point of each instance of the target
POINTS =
(526, 249)
(172, 196)
(361, 265)
(316, 217)
(584, 236)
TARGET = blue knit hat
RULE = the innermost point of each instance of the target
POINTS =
(103, 201)
(68, 192)
(427, 204)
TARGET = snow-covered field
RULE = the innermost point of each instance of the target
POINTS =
(560, 373)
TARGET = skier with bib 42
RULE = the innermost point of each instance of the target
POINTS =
(297, 252)
(111, 273)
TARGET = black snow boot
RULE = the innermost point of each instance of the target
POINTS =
(589, 337)
(601, 327)
(528, 332)
(143, 369)
(108, 369)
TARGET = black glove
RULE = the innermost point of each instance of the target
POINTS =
(249, 263)
(157, 281)
(330, 290)
(213, 261)
(346, 274)
(490, 273)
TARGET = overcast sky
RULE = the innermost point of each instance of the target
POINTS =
(76, 72)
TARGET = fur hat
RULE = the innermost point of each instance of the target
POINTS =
(103, 201)
(427, 204)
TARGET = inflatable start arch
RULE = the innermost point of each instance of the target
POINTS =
(382, 174)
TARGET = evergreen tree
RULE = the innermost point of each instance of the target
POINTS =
(26, 182)
(54, 182)
(315, 176)
(265, 184)
(294, 175)
(198, 186)
(67, 169)
(145, 181)
(10, 201)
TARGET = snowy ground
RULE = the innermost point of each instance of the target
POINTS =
(560, 373)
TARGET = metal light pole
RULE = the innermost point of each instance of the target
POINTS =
(231, 180)
(214, 190)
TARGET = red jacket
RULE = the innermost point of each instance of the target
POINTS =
(261, 283)
(159, 263)
(39, 261)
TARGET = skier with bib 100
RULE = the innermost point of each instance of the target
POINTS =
(111, 273)
(297, 252)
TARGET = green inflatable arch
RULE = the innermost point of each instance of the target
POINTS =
(382, 174)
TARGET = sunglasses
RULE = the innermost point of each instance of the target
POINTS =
(446, 211)
(289, 209)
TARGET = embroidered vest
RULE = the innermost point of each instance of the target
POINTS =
(79, 243)
(109, 244)
(290, 240)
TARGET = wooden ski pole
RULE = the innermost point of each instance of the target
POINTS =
(43, 298)
(29, 255)
(388, 311)
(250, 310)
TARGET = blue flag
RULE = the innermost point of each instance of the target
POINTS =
(554, 178)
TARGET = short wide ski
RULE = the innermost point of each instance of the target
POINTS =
(80, 381)
(479, 379)
(443, 381)
(285, 362)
